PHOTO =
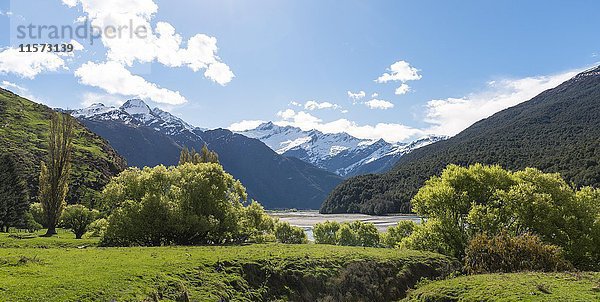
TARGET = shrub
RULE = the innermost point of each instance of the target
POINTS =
(431, 236)
(98, 227)
(395, 234)
(358, 233)
(30, 224)
(37, 212)
(256, 225)
(78, 218)
(324, 232)
(346, 236)
(506, 254)
(286, 233)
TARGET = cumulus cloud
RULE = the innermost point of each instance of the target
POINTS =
(29, 65)
(313, 105)
(403, 89)
(161, 43)
(12, 86)
(114, 78)
(89, 98)
(355, 96)
(379, 104)
(245, 125)
(452, 115)
(388, 131)
(400, 71)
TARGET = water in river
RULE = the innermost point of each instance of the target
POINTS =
(307, 219)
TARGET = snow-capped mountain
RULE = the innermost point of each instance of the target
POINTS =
(136, 112)
(150, 137)
(339, 153)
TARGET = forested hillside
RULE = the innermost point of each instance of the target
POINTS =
(556, 131)
(23, 131)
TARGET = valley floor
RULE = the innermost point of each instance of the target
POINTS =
(60, 268)
(64, 269)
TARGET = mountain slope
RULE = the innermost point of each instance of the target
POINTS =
(276, 181)
(149, 137)
(339, 153)
(556, 131)
(24, 130)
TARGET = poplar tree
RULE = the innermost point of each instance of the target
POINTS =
(54, 174)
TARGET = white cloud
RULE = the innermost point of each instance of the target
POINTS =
(356, 96)
(387, 131)
(89, 98)
(400, 71)
(379, 104)
(374, 95)
(114, 78)
(403, 89)
(245, 125)
(29, 65)
(313, 105)
(162, 44)
(452, 115)
(9, 85)
(294, 103)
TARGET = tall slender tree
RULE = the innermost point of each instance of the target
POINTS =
(14, 200)
(54, 174)
(191, 156)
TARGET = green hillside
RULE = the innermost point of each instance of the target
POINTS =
(579, 286)
(23, 131)
(556, 131)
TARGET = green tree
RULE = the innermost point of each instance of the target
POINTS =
(77, 218)
(346, 236)
(54, 174)
(191, 156)
(14, 199)
(286, 233)
(324, 232)
(256, 224)
(395, 234)
(37, 212)
(463, 202)
(187, 204)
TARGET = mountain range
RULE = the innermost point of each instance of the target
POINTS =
(149, 137)
(282, 167)
(556, 131)
(339, 153)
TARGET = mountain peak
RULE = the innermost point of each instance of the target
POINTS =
(136, 106)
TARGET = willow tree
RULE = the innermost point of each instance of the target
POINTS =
(54, 174)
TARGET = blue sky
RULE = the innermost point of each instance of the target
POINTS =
(462, 60)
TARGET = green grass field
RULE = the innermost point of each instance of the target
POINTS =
(64, 269)
(61, 268)
(512, 287)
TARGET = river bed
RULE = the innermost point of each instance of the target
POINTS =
(307, 219)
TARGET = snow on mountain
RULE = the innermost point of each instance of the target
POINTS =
(340, 153)
(137, 112)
